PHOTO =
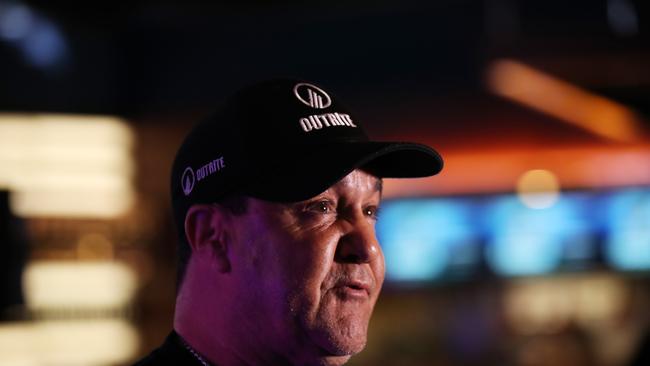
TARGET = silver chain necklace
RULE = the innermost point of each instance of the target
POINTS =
(193, 352)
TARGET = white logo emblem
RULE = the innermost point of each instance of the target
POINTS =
(312, 95)
(187, 181)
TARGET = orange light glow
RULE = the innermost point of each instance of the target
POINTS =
(540, 91)
(538, 189)
(498, 170)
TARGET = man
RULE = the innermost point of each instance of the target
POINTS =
(276, 197)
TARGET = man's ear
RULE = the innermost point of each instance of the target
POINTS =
(206, 233)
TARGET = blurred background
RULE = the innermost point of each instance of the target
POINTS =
(531, 248)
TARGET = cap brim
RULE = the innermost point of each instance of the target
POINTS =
(319, 168)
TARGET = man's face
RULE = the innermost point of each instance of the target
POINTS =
(312, 270)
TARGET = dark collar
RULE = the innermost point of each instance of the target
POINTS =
(172, 352)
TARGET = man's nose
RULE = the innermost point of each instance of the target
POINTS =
(359, 244)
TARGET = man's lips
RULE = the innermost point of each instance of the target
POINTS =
(354, 288)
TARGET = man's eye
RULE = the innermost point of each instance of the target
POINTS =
(321, 207)
(372, 211)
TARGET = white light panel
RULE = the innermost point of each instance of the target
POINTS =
(67, 165)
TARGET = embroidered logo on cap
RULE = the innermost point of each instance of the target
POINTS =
(312, 95)
(187, 181)
(189, 178)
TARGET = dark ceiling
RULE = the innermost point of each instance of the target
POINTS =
(142, 57)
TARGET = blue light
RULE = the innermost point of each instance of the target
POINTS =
(417, 237)
(16, 21)
(622, 16)
(447, 238)
(628, 244)
(525, 241)
(45, 45)
(41, 42)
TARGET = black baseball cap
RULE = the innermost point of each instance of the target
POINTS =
(284, 140)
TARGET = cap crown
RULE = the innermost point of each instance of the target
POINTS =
(255, 131)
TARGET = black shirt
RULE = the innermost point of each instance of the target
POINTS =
(172, 352)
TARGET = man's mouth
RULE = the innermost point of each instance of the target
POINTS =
(354, 289)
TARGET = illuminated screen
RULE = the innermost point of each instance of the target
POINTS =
(628, 217)
(434, 239)
(423, 238)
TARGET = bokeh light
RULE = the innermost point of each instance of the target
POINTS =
(67, 165)
(538, 188)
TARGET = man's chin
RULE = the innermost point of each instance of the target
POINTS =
(327, 355)
(342, 345)
(339, 332)
(334, 360)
